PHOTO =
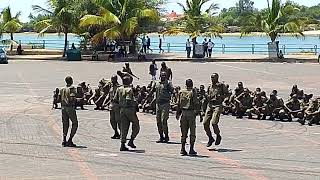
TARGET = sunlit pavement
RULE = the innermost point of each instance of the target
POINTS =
(30, 132)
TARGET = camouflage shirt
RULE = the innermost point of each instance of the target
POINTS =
(68, 96)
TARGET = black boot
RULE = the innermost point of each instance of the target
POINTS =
(218, 140)
(71, 144)
(192, 152)
(123, 147)
(166, 138)
(64, 141)
(161, 139)
(130, 143)
(116, 135)
(183, 151)
(210, 142)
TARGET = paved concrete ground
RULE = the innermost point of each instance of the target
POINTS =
(30, 132)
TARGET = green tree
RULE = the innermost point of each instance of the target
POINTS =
(275, 21)
(61, 18)
(120, 19)
(10, 24)
(198, 22)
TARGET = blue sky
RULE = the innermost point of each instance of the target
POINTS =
(25, 5)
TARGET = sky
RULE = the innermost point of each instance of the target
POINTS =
(25, 5)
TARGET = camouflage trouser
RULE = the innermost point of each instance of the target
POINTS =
(313, 119)
(162, 111)
(115, 118)
(279, 113)
(69, 113)
(257, 111)
(128, 115)
(212, 117)
(188, 121)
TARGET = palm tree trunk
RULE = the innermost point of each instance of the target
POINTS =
(11, 44)
(65, 43)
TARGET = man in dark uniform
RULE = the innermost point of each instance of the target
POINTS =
(168, 71)
(188, 107)
(163, 90)
(128, 112)
(215, 96)
(68, 108)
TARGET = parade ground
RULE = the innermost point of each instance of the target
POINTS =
(30, 131)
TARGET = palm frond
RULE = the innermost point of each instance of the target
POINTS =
(40, 9)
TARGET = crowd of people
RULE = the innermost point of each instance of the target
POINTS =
(161, 97)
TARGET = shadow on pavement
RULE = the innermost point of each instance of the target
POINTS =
(137, 151)
(225, 150)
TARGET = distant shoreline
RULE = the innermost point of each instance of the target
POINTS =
(306, 33)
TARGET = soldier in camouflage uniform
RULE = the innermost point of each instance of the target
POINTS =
(163, 91)
(188, 106)
(68, 109)
(215, 95)
(128, 112)
(243, 102)
(312, 113)
(259, 107)
(294, 108)
(275, 107)
(114, 107)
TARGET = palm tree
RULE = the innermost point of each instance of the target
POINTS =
(119, 19)
(10, 24)
(61, 18)
(198, 22)
(273, 24)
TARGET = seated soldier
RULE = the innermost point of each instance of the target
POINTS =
(142, 94)
(227, 106)
(203, 99)
(275, 107)
(259, 107)
(243, 102)
(80, 97)
(174, 98)
(294, 108)
(56, 98)
(312, 113)
(104, 87)
(296, 91)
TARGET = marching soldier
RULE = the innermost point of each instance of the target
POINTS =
(128, 112)
(188, 107)
(114, 107)
(215, 95)
(163, 91)
(68, 108)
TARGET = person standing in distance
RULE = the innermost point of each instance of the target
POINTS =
(216, 93)
(188, 108)
(153, 70)
(68, 109)
(128, 112)
(160, 44)
(163, 90)
(188, 48)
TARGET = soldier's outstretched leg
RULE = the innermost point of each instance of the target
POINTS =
(74, 120)
(206, 126)
(125, 123)
(214, 121)
(65, 125)
(135, 127)
(159, 123)
(192, 126)
(184, 133)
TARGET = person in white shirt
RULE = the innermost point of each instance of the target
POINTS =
(188, 48)
(210, 47)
